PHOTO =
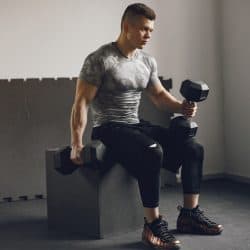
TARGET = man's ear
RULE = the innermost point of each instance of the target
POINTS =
(125, 26)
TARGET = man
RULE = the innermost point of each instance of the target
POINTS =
(111, 80)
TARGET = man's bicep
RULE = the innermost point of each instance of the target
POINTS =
(85, 91)
(158, 94)
(154, 90)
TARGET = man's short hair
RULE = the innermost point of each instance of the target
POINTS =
(137, 9)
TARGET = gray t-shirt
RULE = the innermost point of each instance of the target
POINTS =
(120, 81)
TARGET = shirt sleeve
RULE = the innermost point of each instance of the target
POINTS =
(92, 70)
(153, 79)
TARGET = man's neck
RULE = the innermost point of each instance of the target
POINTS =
(125, 48)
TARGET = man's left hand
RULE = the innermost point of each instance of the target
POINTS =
(189, 109)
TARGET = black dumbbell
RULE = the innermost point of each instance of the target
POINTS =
(92, 154)
(180, 126)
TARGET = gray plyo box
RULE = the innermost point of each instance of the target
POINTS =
(92, 203)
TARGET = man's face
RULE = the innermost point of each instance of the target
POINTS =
(139, 32)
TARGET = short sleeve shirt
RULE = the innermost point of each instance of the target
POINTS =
(120, 81)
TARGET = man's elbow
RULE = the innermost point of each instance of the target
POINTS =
(157, 100)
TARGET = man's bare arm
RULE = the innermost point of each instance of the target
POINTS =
(85, 92)
(163, 99)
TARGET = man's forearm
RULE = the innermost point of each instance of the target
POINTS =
(166, 101)
(78, 123)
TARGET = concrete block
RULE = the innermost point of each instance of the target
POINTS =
(92, 203)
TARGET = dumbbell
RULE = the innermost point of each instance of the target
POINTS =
(180, 126)
(92, 155)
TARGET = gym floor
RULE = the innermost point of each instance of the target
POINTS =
(23, 224)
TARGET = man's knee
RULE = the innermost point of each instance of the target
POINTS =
(153, 157)
(194, 150)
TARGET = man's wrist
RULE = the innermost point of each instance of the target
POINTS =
(179, 108)
(77, 145)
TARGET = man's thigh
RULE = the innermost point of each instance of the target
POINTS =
(172, 148)
(127, 144)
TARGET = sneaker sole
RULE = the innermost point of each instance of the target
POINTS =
(189, 230)
(148, 244)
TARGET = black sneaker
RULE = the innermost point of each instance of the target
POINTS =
(157, 236)
(194, 221)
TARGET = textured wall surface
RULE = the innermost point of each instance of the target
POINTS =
(35, 116)
(236, 56)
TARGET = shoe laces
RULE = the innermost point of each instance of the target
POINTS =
(202, 217)
(160, 229)
(198, 214)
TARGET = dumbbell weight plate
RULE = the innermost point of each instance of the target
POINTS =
(63, 163)
(181, 128)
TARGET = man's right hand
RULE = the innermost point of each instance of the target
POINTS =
(75, 155)
(85, 93)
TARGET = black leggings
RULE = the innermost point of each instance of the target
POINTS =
(144, 148)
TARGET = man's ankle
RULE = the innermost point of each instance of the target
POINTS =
(188, 207)
(151, 214)
(151, 218)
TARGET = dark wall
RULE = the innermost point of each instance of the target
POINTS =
(35, 115)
